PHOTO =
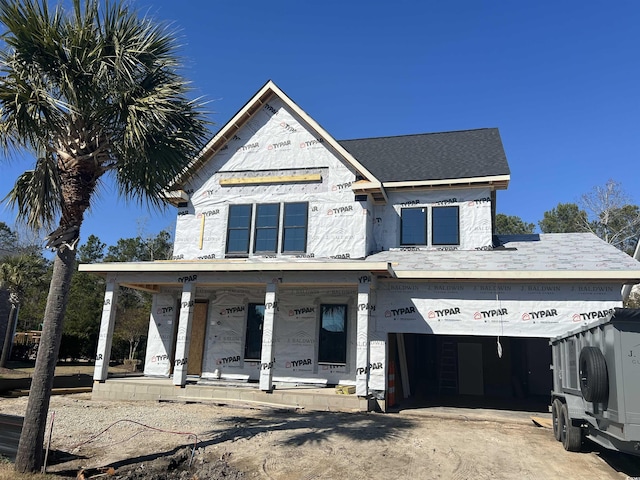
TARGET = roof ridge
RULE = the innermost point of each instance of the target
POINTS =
(419, 134)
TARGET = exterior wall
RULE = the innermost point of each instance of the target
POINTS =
(295, 336)
(475, 217)
(490, 309)
(274, 143)
(441, 308)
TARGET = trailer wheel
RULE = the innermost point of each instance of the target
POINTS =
(594, 381)
(570, 435)
(556, 406)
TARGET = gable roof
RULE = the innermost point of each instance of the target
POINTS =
(432, 156)
(426, 160)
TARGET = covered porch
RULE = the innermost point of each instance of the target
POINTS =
(174, 373)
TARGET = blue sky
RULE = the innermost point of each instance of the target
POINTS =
(561, 80)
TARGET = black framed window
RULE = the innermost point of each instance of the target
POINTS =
(267, 221)
(253, 337)
(239, 228)
(413, 226)
(332, 344)
(295, 227)
(445, 225)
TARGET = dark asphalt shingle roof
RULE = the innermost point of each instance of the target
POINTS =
(432, 156)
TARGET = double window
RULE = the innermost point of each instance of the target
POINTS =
(332, 341)
(267, 228)
(445, 226)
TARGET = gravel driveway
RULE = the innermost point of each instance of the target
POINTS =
(157, 440)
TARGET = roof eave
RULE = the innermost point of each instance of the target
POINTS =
(624, 276)
(495, 182)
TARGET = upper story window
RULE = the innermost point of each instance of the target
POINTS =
(266, 231)
(295, 227)
(444, 225)
(267, 228)
(239, 228)
(413, 228)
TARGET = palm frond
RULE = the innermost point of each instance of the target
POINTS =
(37, 194)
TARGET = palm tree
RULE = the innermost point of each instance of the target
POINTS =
(16, 273)
(91, 92)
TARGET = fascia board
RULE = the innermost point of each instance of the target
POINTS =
(324, 134)
(627, 276)
(245, 112)
(240, 266)
(500, 181)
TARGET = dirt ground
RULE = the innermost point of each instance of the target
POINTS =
(151, 440)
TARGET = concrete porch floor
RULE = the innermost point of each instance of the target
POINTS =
(288, 397)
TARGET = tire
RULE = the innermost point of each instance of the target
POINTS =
(556, 406)
(570, 435)
(594, 380)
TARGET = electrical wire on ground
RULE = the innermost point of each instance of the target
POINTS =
(189, 435)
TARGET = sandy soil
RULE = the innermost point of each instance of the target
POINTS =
(134, 439)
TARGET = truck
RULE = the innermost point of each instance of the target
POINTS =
(596, 383)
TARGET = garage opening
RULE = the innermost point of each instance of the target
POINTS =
(467, 371)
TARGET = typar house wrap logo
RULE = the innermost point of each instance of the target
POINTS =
(580, 317)
(445, 312)
(539, 315)
(488, 314)
(396, 313)
(231, 310)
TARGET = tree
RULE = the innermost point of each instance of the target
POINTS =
(89, 92)
(512, 225)
(15, 274)
(134, 306)
(8, 240)
(564, 218)
(612, 216)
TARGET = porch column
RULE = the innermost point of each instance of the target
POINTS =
(362, 338)
(185, 322)
(266, 358)
(105, 337)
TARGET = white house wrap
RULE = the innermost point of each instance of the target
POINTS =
(305, 260)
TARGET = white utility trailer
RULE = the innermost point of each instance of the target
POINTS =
(596, 383)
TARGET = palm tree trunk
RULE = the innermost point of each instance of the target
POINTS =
(8, 337)
(30, 455)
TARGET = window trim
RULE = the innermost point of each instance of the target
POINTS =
(433, 230)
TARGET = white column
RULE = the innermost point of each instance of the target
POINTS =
(185, 322)
(266, 358)
(105, 336)
(362, 338)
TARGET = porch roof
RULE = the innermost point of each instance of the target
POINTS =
(538, 257)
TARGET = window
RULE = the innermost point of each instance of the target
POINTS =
(239, 228)
(445, 228)
(273, 231)
(295, 227)
(332, 345)
(266, 234)
(253, 338)
(413, 230)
